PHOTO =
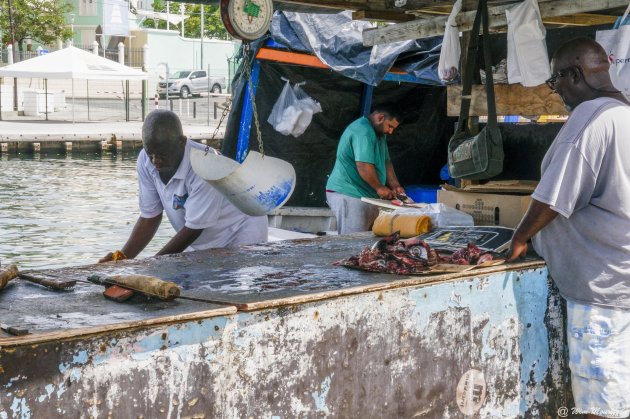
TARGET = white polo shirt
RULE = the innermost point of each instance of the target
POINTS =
(190, 201)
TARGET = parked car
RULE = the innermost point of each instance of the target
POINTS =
(191, 82)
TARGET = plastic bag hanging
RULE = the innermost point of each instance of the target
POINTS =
(308, 106)
(527, 59)
(448, 66)
(286, 111)
(616, 43)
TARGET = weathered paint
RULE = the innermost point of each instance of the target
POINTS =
(394, 353)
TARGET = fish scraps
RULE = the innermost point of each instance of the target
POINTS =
(411, 256)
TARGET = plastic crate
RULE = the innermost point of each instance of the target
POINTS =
(422, 193)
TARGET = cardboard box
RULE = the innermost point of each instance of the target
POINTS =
(488, 209)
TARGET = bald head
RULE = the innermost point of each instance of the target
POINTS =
(164, 142)
(580, 72)
(583, 52)
(161, 121)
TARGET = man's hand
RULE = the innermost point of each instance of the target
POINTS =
(518, 249)
(385, 193)
(113, 256)
(107, 258)
(399, 190)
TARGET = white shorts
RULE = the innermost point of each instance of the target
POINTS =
(599, 358)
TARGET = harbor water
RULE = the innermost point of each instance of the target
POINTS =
(68, 210)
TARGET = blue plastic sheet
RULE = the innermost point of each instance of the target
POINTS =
(337, 41)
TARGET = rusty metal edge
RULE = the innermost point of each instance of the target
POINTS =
(407, 281)
(70, 334)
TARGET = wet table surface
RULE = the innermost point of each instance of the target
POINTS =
(248, 278)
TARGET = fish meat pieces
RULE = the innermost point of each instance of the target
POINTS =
(469, 255)
(409, 256)
(392, 255)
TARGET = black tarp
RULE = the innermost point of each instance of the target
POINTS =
(417, 147)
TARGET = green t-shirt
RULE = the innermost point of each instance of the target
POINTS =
(358, 143)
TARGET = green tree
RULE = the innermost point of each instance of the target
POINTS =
(213, 25)
(42, 21)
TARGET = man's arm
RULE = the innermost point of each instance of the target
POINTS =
(537, 217)
(141, 235)
(392, 180)
(180, 241)
(367, 171)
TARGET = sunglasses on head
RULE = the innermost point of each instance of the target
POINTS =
(551, 81)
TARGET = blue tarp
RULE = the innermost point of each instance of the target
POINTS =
(337, 41)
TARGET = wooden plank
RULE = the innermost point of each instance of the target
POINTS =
(298, 58)
(38, 338)
(511, 99)
(582, 19)
(290, 58)
(398, 281)
(423, 28)
(384, 16)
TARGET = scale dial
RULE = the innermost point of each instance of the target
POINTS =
(247, 19)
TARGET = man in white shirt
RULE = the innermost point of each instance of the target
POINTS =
(579, 222)
(200, 215)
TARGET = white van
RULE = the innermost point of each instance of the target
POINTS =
(191, 82)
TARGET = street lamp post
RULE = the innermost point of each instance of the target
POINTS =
(72, 28)
(12, 30)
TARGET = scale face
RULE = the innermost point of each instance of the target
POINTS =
(247, 19)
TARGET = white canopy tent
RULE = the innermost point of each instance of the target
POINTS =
(72, 63)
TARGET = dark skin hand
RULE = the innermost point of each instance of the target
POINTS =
(367, 171)
(537, 217)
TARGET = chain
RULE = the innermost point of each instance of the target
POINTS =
(226, 111)
(246, 71)
(247, 68)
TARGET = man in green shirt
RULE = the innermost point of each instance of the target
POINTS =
(363, 169)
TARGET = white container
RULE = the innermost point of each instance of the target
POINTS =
(35, 102)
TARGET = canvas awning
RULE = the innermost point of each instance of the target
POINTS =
(72, 63)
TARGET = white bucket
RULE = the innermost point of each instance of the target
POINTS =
(257, 186)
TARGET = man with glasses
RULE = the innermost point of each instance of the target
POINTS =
(201, 217)
(579, 222)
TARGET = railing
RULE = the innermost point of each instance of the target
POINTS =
(133, 56)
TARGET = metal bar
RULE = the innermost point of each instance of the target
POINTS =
(366, 99)
(242, 144)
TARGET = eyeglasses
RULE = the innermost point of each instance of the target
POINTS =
(551, 81)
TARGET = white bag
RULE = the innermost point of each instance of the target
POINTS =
(528, 61)
(308, 106)
(448, 66)
(616, 43)
(286, 110)
(293, 111)
(441, 215)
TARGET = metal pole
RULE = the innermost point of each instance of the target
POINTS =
(145, 83)
(87, 88)
(168, 15)
(1, 84)
(209, 95)
(46, 93)
(73, 101)
(127, 100)
(12, 30)
(181, 11)
(201, 63)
